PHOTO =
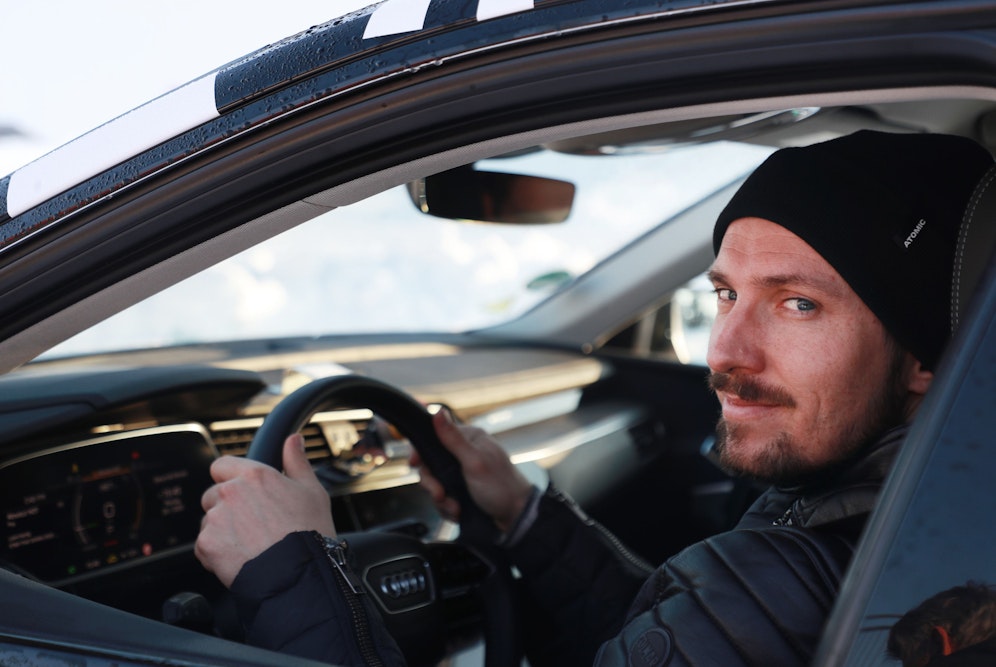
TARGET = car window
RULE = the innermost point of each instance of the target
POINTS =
(383, 266)
(678, 330)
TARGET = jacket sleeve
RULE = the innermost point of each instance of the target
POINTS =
(577, 583)
(294, 599)
(745, 597)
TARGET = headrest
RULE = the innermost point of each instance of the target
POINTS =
(975, 246)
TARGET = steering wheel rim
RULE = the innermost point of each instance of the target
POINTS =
(502, 645)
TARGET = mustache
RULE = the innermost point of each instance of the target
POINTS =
(749, 389)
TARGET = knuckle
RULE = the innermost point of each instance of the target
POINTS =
(476, 467)
(227, 492)
(259, 476)
(473, 433)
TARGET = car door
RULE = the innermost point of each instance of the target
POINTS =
(933, 528)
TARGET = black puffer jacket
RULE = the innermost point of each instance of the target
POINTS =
(293, 598)
(756, 595)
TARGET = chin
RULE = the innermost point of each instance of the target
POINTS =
(769, 457)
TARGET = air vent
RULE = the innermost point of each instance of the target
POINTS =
(327, 434)
(232, 439)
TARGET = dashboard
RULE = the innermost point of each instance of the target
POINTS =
(102, 470)
(103, 461)
(72, 512)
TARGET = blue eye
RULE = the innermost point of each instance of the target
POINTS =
(803, 305)
(725, 294)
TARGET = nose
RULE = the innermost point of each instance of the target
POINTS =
(735, 342)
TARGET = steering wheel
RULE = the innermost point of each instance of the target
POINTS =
(473, 559)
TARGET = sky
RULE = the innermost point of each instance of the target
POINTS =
(69, 66)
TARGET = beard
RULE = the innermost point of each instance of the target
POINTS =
(781, 461)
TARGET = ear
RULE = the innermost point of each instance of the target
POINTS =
(919, 378)
(947, 646)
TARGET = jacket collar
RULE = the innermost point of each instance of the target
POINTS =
(850, 491)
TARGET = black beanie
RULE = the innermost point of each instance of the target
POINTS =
(884, 210)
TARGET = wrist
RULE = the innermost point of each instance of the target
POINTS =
(516, 505)
(524, 520)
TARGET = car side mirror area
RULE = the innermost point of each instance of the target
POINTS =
(467, 194)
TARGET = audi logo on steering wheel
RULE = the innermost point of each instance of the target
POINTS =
(400, 584)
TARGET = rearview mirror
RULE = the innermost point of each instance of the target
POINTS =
(484, 196)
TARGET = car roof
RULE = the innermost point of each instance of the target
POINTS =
(382, 41)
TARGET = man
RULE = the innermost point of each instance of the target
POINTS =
(953, 628)
(832, 276)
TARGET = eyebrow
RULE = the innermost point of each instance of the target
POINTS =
(828, 287)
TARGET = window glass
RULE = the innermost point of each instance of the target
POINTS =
(381, 265)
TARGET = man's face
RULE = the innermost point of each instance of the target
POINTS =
(803, 370)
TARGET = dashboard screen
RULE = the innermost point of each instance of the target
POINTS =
(78, 510)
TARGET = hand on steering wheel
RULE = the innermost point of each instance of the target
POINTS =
(502, 644)
(495, 484)
(252, 506)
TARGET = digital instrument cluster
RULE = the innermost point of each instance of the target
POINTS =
(79, 510)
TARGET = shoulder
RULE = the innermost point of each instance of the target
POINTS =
(746, 596)
(784, 556)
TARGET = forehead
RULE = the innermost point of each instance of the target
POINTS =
(760, 251)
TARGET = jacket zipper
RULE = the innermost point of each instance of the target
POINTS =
(352, 588)
(786, 519)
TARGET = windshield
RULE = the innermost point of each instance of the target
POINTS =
(383, 266)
